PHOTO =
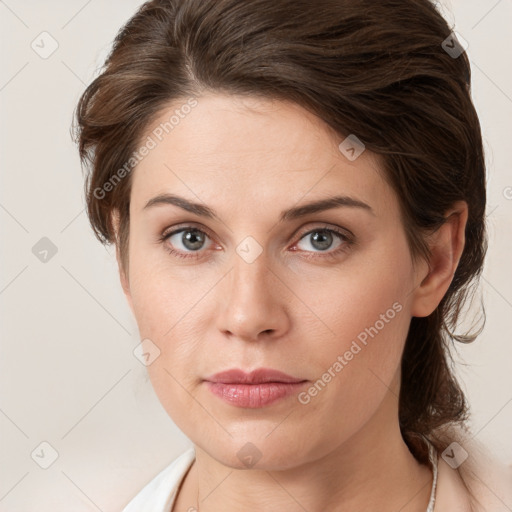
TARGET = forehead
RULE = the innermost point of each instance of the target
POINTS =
(229, 150)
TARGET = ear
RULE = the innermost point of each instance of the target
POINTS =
(446, 246)
(125, 284)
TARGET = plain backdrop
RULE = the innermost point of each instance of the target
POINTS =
(68, 376)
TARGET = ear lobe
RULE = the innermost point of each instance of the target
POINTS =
(446, 246)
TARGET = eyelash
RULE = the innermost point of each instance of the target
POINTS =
(347, 242)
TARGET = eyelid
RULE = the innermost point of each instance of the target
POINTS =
(184, 226)
(329, 227)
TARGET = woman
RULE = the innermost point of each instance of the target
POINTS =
(296, 191)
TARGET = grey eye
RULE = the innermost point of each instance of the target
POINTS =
(320, 239)
(191, 239)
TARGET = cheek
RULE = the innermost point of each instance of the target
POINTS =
(166, 308)
(367, 315)
(356, 370)
(160, 297)
(368, 298)
(167, 317)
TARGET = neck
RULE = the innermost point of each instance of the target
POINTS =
(371, 470)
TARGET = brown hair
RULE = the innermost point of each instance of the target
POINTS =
(379, 70)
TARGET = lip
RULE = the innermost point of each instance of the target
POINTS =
(258, 376)
(256, 389)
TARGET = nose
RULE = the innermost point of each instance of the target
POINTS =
(253, 302)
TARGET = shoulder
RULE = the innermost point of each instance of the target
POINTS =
(488, 480)
(471, 478)
(159, 494)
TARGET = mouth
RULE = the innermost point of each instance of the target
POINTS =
(258, 376)
(256, 389)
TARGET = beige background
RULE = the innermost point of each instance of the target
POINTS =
(68, 376)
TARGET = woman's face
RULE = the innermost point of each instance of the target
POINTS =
(249, 287)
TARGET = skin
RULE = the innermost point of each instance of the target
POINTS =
(249, 159)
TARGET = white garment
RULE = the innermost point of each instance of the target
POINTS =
(160, 493)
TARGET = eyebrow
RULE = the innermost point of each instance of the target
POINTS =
(286, 215)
